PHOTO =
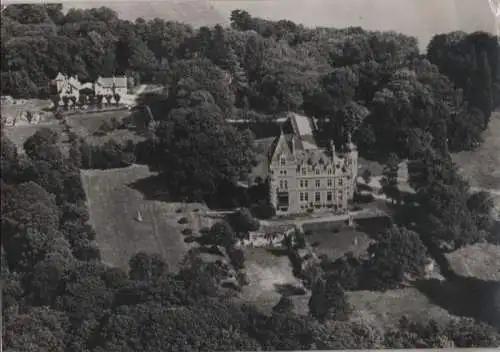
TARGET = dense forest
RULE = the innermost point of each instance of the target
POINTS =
(58, 294)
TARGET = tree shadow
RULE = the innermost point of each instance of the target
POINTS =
(152, 188)
(278, 252)
(465, 297)
(289, 290)
(373, 227)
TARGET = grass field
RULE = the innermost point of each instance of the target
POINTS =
(85, 125)
(266, 272)
(481, 261)
(387, 308)
(19, 134)
(335, 245)
(482, 166)
(113, 205)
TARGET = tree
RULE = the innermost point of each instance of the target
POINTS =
(284, 306)
(146, 267)
(198, 152)
(482, 206)
(390, 178)
(335, 335)
(243, 222)
(221, 234)
(328, 300)
(399, 253)
(367, 176)
(36, 329)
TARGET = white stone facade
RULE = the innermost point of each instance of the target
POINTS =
(303, 176)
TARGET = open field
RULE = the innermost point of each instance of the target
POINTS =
(482, 166)
(481, 261)
(266, 272)
(113, 205)
(85, 125)
(387, 308)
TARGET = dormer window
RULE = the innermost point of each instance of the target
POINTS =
(304, 171)
(317, 171)
(282, 160)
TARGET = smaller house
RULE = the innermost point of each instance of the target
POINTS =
(111, 86)
(106, 86)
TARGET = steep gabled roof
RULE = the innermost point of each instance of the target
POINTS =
(109, 82)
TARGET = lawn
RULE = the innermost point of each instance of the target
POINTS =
(482, 166)
(481, 261)
(335, 245)
(85, 125)
(385, 309)
(113, 206)
(19, 134)
(266, 272)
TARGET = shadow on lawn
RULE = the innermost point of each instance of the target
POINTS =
(153, 188)
(289, 290)
(465, 296)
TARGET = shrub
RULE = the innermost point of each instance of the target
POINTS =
(237, 258)
(187, 231)
(363, 197)
(183, 220)
(263, 210)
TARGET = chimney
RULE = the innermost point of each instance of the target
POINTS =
(293, 145)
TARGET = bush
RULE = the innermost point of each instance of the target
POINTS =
(183, 220)
(187, 231)
(263, 210)
(296, 262)
(363, 198)
(237, 258)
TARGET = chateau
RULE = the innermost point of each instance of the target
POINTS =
(304, 176)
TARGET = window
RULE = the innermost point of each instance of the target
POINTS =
(317, 171)
(306, 196)
(283, 160)
(306, 183)
(301, 194)
(304, 171)
(330, 182)
(317, 183)
(341, 182)
(286, 184)
(283, 172)
(281, 183)
(330, 171)
(301, 183)
(329, 196)
(317, 197)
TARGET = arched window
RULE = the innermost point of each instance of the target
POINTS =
(282, 160)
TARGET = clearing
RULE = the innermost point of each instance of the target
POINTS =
(113, 205)
(385, 309)
(481, 261)
(266, 273)
(85, 125)
(482, 166)
(336, 244)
